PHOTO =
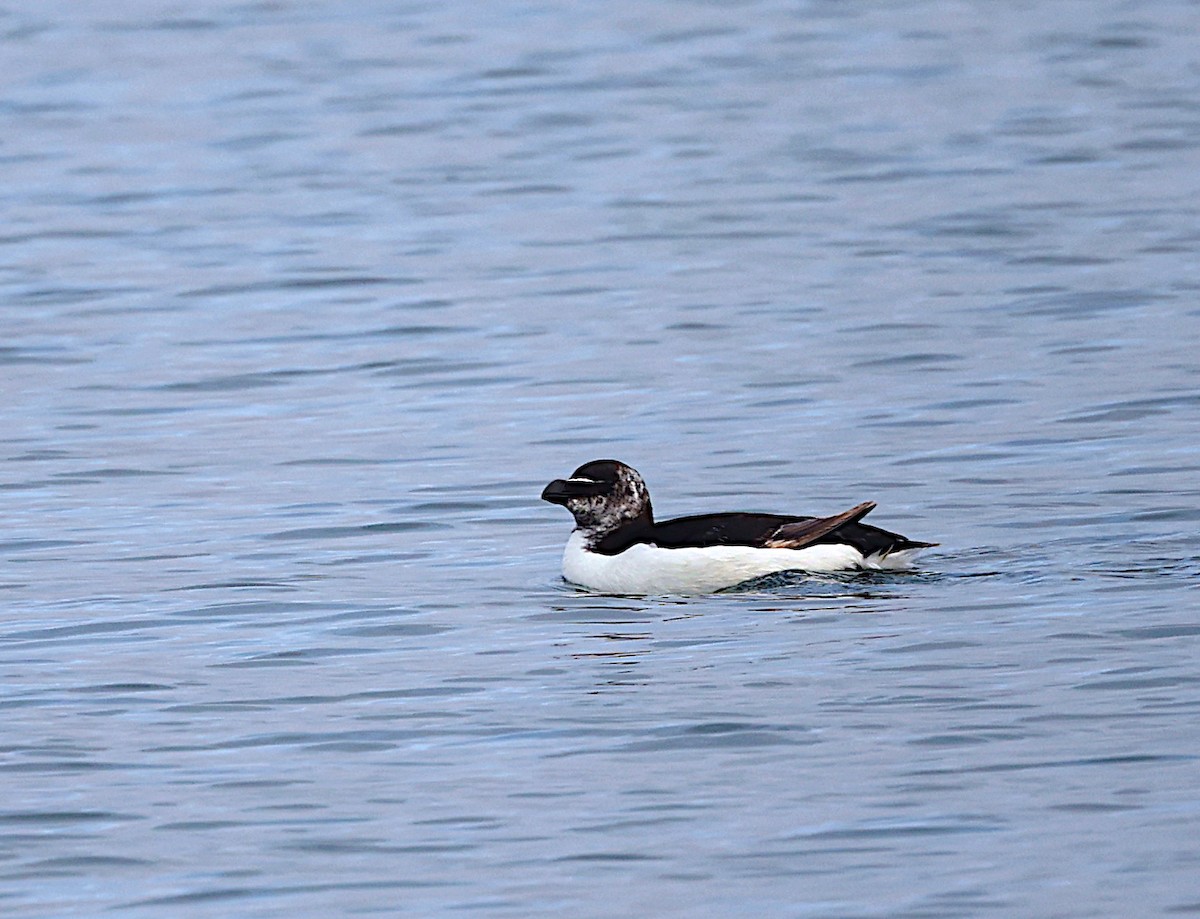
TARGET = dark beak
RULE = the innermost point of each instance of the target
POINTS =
(557, 492)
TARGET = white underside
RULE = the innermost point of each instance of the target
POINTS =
(649, 569)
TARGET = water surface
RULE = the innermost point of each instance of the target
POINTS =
(303, 303)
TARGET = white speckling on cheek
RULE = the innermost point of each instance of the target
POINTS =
(597, 515)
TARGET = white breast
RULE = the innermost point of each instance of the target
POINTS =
(647, 569)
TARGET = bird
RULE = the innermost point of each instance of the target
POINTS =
(618, 547)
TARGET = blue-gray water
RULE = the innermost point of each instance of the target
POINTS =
(302, 303)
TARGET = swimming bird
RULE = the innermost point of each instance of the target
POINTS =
(618, 547)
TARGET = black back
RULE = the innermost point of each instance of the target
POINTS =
(754, 530)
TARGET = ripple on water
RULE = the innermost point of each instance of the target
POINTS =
(290, 350)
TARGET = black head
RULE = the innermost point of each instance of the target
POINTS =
(602, 495)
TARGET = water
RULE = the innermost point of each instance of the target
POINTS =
(304, 302)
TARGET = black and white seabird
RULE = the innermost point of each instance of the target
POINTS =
(618, 547)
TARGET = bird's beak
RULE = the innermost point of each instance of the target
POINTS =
(557, 492)
(562, 490)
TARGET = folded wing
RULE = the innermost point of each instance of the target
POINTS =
(803, 533)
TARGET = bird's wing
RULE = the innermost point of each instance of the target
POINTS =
(805, 532)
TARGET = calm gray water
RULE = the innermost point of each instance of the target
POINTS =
(302, 303)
